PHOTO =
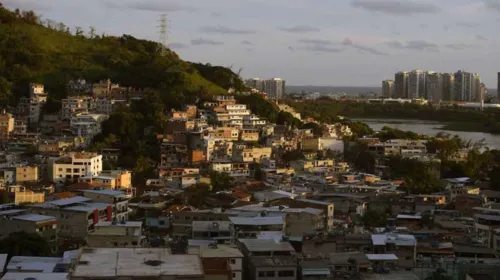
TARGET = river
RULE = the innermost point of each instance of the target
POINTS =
(432, 128)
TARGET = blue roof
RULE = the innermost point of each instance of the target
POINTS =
(33, 217)
(68, 201)
(88, 207)
(105, 192)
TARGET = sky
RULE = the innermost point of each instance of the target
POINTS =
(305, 42)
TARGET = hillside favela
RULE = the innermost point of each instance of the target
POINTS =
(135, 156)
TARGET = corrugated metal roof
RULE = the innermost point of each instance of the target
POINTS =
(257, 221)
(68, 201)
(3, 260)
(382, 257)
(34, 217)
(34, 275)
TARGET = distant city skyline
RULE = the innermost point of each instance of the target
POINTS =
(331, 43)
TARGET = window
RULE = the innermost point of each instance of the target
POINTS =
(234, 275)
(161, 223)
(269, 273)
(232, 261)
(262, 274)
(286, 273)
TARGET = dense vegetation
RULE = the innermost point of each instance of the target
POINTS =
(24, 244)
(457, 118)
(32, 50)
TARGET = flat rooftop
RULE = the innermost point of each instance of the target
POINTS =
(266, 245)
(119, 224)
(34, 218)
(222, 251)
(88, 207)
(34, 275)
(136, 262)
(38, 264)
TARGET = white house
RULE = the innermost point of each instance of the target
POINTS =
(76, 165)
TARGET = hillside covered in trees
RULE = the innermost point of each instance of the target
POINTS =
(43, 51)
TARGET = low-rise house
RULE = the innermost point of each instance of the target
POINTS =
(249, 135)
(182, 221)
(87, 125)
(118, 199)
(211, 230)
(473, 254)
(116, 234)
(402, 245)
(74, 166)
(253, 154)
(6, 125)
(220, 261)
(76, 216)
(233, 169)
(268, 258)
(16, 220)
(251, 227)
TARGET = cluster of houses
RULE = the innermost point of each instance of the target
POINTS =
(299, 218)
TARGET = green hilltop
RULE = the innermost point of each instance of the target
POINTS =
(32, 50)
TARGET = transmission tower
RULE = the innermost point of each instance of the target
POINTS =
(163, 31)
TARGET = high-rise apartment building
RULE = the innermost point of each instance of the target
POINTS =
(448, 86)
(434, 86)
(255, 83)
(467, 86)
(416, 84)
(275, 88)
(388, 88)
(401, 85)
(498, 85)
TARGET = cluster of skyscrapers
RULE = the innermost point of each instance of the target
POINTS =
(275, 87)
(433, 86)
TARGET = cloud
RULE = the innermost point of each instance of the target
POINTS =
(219, 29)
(350, 43)
(396, 7)
(148, 6)
(216, 14)
(347, 42)
(246, 42)
(418, 45)
(299, 29)
(201, 41)
(315, 41)
(460, 46)
(26, 5)
(290, 48)
(466, 24)
(178, 46)
(492, 4)
(481, 38)
(322, 49)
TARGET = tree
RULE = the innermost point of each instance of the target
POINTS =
(365, 161)
(78, 31)
(92, 32)
(24, 244)
(220, 181)
(316, 128)
(374, 219)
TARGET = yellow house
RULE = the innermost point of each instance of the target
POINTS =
(21, 195)
(26, 173)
